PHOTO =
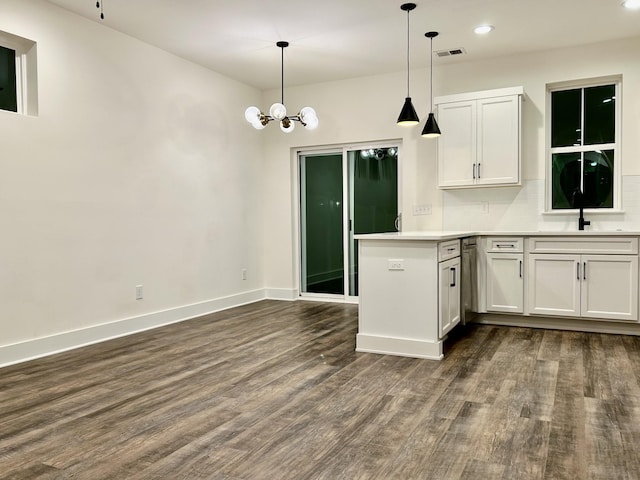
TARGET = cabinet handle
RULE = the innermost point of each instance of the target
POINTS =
(505, 245)
(584, 271)
(451, 249)
(478, 170)
(453, 282)
(578, 271)
(474, 171)
(520, 268)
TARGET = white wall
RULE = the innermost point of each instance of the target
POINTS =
(138, 169)
(365, 109)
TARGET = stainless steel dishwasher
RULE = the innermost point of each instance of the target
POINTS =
(468, 282)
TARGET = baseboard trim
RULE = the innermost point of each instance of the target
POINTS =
(61, 342)
(401, 347)
(288, 294)
(559, 323)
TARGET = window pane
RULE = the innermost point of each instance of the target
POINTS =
(599, 114)
(321, 201)
(566, 178)
(565, 117)
(8, 97)
(598, 179)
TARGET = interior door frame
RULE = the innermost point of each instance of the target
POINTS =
(346, 192)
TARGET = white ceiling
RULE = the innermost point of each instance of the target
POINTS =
(338, 39)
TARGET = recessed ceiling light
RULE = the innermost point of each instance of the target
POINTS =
(483, 29)
(631, 4)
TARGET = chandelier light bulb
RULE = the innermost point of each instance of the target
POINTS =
(252, 114)
(278, 111)
(307, 112)
(631, 4)
(286, 125)
(311, 123)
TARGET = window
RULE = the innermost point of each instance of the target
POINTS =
(583, 141)
(8, 92)
(18, 78)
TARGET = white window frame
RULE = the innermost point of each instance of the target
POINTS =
(616, 146)
(25, 72)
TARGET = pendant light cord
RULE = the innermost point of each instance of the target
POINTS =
(282, 75)
(431, 77)
(408, 52)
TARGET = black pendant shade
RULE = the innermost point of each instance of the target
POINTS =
(431, 128)
(408, 115)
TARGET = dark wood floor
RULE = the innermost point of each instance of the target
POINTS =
(274, 390)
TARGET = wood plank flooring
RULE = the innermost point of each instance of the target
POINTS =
(274, 390)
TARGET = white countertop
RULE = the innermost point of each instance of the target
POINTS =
(439, 235)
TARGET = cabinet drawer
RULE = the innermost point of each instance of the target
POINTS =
(449, 249)
(593, 245)
(504, 244)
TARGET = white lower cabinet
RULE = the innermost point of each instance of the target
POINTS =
(449, 295)
(505, 282)
(591, 286)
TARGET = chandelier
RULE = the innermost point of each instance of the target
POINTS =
(306, 116)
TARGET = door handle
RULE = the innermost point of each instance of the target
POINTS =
(520, 268)
(453, 282)
(578, 271)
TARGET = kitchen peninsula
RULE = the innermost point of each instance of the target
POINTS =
(409, 285)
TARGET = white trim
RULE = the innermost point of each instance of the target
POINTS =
(463, 97)
(617, 145)
(560, 323)
(62, 342)
(286, 294)
(318, 297)
(25, 85)
(401, 347)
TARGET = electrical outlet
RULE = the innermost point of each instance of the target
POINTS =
(396, 264)
(139, 292)
(244, 274)
(422, 209)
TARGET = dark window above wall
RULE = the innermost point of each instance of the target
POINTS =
(8, 84)
(18, 74)
(583, 145)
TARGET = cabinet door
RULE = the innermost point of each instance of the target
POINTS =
(554, 285)
(610, 286)
(457, 145)
(449, 295)
(505, 282)
(498, 154)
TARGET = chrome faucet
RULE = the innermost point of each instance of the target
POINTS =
(578, 202)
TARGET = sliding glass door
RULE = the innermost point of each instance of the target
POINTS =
(342, 193)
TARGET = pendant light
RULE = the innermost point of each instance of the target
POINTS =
(307, 115)
(408, 116)
(431, 129)
(99, 6)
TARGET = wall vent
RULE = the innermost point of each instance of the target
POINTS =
(448, 53)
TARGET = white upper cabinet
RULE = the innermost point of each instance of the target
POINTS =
(480, 141)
